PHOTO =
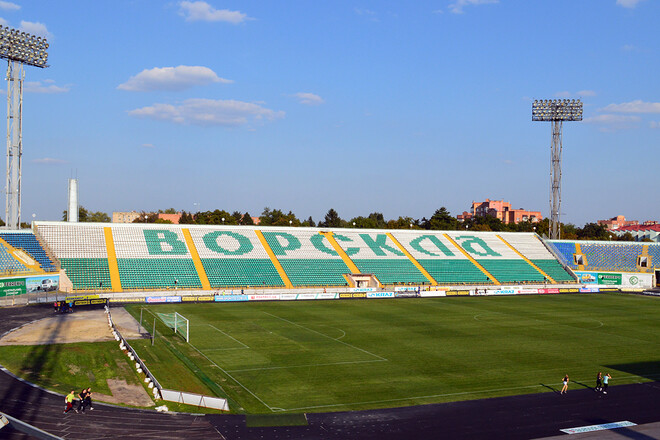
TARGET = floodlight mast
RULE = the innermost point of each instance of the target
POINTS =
(556, 111)
(18, 48)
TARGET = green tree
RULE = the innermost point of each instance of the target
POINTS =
(88, 216)
(276, 217)
(185, 218)
(441, 220)
(98, 217)
(403, 223)
(215, 218)
(247, 219)
(332, 220)
(309, 222)
(593, 231)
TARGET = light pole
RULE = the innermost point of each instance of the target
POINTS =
(556, 111)
(17, 48)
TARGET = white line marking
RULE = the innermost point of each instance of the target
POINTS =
(329, 337)
(226, 349)
(306, 365)
(232, 378)
(648, 376)
(228, 375)
(229, 336)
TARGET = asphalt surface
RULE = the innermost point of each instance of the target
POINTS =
(530, 416)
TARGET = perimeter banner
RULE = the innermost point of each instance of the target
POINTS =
(12, 286)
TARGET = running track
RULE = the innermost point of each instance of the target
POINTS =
(519, 417)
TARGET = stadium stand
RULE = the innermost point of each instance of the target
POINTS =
(9, 264)
(607, 256)
(234, 259)
(375, 253)
(307, 257)
(154, 258)
(158, 256)
(27, 241)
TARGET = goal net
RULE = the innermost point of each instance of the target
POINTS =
(179, 323)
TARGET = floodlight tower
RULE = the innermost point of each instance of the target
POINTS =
(18, 48)
(556, 111)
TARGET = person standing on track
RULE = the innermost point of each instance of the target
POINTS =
(599, 382)
(565, 381)
(606, 382)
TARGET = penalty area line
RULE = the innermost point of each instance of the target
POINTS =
(232, 378)
(229, 336)
(329, 337)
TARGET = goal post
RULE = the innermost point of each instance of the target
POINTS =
(182, 326)
(176, 321)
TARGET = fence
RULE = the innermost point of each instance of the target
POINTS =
(167, 395)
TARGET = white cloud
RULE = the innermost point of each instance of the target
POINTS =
(628, 3)
(38, 29)
(9, 6)
(458, 5)
(613, 122)
(148, 146)
(654, 124)
(49, 87)
(171, 78)
(586, 93)
(49, 161)
(202, 11)
(208, 112)
(3, 22)
(629, 48)
(637, 106)
(309, 98)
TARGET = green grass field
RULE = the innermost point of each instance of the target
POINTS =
(355, 354)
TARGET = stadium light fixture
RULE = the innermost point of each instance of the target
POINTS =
(18, 48)
(556, 111)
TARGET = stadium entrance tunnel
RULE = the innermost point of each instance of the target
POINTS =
(362, 280)
(649, 370)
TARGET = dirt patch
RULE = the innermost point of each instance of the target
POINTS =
(80, 326)
(125, 393)
(86, 326)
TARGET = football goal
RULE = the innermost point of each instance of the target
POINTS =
(179, 323)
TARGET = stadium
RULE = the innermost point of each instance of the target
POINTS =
(283, 325)
(414, 329)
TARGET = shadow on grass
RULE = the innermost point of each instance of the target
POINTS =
(24, 402)
(649, 370)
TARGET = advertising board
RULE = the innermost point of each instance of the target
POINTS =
(163, 299)
(12, 286)
(623, 280)
(380, 294)
(433, 293)
(262, 297)
(230, 298)
(48, 283)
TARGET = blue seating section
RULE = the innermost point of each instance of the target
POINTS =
(606, 255)
(565, 250)
(9, 264)
(28, 242)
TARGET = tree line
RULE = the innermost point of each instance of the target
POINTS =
(440, 220)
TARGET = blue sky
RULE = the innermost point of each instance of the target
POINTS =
(361, 106)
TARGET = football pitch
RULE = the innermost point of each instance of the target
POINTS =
(313, 356)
